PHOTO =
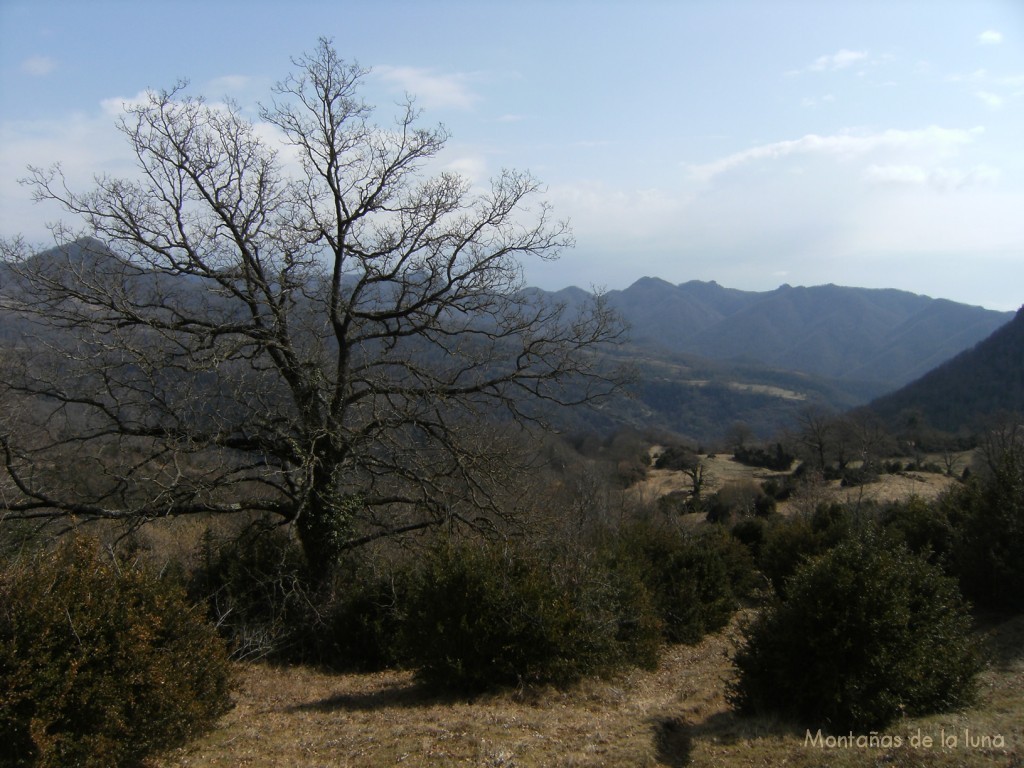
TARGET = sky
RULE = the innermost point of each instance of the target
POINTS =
(856, 142)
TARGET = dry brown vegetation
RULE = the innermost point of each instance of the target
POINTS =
(722, 470)
(674, 716)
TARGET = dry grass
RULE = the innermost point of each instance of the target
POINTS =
(723, 470)
(674, 716)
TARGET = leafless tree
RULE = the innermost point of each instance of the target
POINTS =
(871, 439)
(699, 477)
(738, 435)
(1001, 452)
(951, 460)
(817, 434)
(321, 345)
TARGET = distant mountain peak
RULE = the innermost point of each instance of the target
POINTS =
(650, 282)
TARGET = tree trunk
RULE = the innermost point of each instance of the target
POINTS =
(324, 522)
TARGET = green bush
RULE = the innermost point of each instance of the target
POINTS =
(787, 542)
(262, 597)
(779, 459)
(739, 499)
(482, 617)
(923, 526)
(777, 488)
(867, 632)
(751, 532)
(677, 458)
(101, 663)
(987, 514)
(696, 580)
(851, 477)
(361, 623)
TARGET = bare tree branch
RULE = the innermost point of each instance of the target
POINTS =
(320, 345)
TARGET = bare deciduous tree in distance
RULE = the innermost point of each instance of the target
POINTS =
(321, 346)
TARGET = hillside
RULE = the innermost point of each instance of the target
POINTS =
(701, 398)
(882, 338)
(974, 387)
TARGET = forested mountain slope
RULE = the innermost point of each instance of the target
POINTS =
(978, 385)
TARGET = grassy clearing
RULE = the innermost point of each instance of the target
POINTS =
(722, 470)
(674, 716)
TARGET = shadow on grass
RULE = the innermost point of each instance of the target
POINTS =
(673, 742)
(403, 695)
(675, 737)
(1002, 639)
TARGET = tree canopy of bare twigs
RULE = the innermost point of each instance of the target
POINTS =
(313, 328)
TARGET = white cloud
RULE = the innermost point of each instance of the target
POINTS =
(977, 76)
(838, 60)
(83, 144)
(933, 139)
(990, 99)
(896, 174)
(86, 144)
(472, 167)
(431, 90)
(810, 102)
(39, 66)
(939, 178)
(117, 105)
(608, 213)
(990, 37)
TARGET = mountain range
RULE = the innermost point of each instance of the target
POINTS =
(882, 338)
(707, 356)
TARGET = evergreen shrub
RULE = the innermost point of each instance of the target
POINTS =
(483, 616)
(867, 632)
(987, 515)
(258, 593)
(786, 542)
(923, 526)
(101, 663)
(696, 580)
(362, 621)
(777, 459)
